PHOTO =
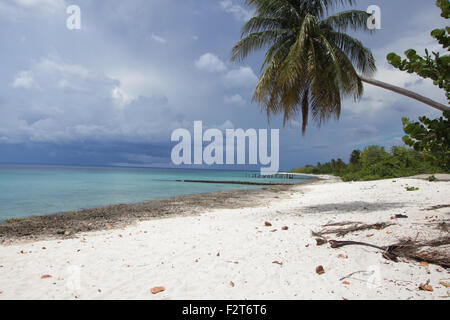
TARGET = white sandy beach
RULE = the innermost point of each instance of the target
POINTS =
(229, 254)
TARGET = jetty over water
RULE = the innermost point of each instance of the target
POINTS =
(278, 179)
(239, 182)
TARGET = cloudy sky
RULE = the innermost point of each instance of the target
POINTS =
(113, 91)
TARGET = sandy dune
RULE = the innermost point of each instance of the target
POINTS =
(229, 254)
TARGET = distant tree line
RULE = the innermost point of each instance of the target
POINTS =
(374, 163)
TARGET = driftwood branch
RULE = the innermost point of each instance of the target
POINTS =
(434, 251)
(410, 249)
(414, 250)
(340, 232)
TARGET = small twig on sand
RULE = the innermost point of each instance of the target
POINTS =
(406, 281)
(443, 226)
(351, 274)
(441, 206)
(340, 224)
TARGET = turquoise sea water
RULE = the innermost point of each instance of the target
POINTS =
(37, 190)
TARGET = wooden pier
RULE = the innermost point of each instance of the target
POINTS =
(278, 176)
(239, 182)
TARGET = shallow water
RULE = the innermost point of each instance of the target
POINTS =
(37, 190)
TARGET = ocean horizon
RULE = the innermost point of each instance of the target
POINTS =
(35, 190)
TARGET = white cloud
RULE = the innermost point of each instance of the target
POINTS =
(158, 39)
(135, 82)
(75, 104)
(210, 62)
(120, 96)
(236, 99)
(15, 8)
(53, 73)
(23, 79)
(239, 13)
(242, 77)
(48, 4)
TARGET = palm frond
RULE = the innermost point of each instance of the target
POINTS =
(311, 63)
(352, 19)
(256, 41)
(358, 54)
(259, 23)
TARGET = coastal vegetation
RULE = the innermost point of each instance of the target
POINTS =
(374, 163)
(436, 66)
(431, 137)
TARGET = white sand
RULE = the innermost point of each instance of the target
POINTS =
(181, 253)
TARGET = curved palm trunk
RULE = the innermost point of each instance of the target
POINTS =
(406, 92)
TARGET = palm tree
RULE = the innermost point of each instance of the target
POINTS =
(311, 63)
(355, 157)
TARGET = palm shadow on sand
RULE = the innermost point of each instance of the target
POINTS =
(353, 207)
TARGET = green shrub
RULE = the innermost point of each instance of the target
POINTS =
(431, 137)
(375, 163)
(372, 155)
